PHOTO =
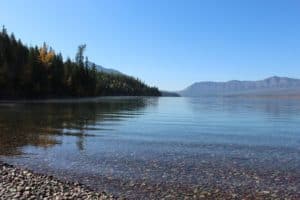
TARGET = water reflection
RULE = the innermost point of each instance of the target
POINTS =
(233, 105)
(42, 124)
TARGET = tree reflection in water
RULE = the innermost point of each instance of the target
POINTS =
(41, 124)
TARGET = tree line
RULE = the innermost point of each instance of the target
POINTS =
(40, 72)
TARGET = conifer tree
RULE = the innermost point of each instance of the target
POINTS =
(32, 72)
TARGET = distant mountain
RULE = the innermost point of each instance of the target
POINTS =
(105, 70)
(270, 86)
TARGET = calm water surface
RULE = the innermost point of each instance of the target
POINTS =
(155, 147)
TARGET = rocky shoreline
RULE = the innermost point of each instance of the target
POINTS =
(17, 183)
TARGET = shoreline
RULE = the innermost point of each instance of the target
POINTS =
(19, 183)
(73, 100)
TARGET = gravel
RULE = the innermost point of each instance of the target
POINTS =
(17, 183)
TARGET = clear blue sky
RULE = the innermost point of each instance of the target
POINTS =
(169, 44)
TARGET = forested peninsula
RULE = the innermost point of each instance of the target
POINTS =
(32, 72)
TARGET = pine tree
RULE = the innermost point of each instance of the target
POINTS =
(32, 72)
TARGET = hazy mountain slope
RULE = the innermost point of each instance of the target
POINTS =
(104, 69)
(270, 86)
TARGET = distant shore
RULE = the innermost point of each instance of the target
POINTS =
(17, 183)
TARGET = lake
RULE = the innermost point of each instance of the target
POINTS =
(149, 148)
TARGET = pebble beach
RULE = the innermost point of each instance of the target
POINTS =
(16, 183)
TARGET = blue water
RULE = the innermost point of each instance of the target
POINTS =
(107, 143)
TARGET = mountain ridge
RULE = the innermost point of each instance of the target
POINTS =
(271, 85)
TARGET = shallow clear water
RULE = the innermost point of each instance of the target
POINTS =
(132, 146)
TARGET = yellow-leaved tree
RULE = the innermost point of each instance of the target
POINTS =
(46, 55)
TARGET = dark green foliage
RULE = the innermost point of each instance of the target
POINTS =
(32, 72)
